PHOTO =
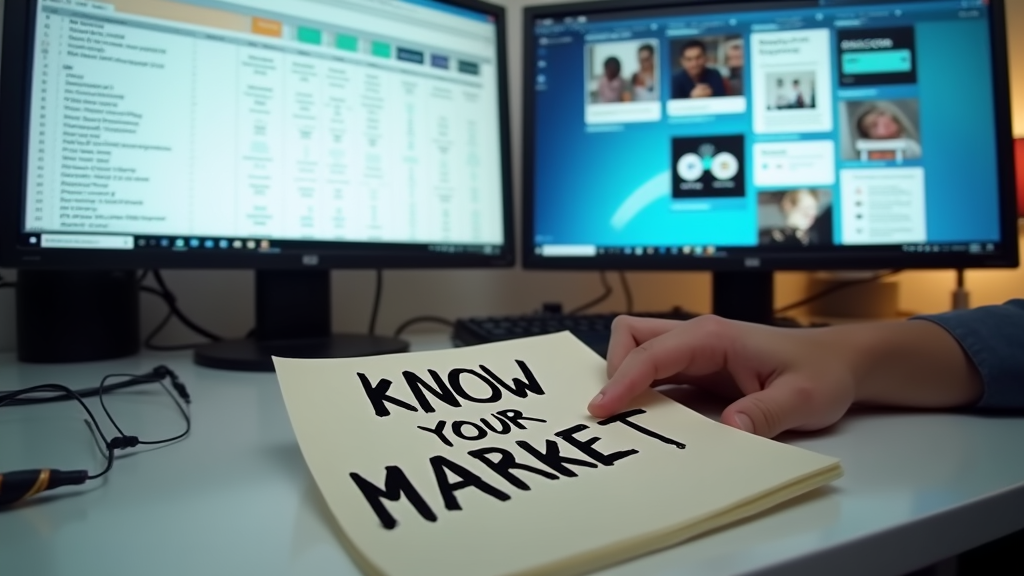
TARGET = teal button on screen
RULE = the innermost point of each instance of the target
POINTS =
(878, 62)
(309, 35)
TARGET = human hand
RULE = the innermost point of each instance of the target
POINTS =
(790, 379)
(780, 379)
(701, 91)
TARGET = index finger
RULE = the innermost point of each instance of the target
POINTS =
(696, 348)
(628, 332)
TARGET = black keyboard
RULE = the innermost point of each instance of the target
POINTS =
(594, 330)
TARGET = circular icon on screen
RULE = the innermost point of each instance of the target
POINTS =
(725, 166)
(690, 167)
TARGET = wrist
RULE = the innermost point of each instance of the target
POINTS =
(911, 364)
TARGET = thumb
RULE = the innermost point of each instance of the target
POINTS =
(781, 406)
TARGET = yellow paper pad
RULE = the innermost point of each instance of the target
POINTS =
(520, 479)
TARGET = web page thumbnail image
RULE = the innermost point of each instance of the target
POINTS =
(880, 130)
(623, 81)
(795, 218)
(791, 82)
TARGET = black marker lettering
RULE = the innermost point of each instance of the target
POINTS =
(378, 395)
(519, 388)
(417, 385)
(624, 419)
(586, 446)
(455, 381)
(459, 425)
(506, 463)
(438, 430)
(506, 427)
(442, 466)
(514, 416)
(552, 458)
(396, 484)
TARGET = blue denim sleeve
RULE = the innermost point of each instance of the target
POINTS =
(993, 337)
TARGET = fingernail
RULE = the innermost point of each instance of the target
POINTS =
(597, 400)
(746, 424)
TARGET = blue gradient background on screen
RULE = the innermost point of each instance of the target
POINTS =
(582, 178)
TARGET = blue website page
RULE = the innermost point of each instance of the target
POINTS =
(813, 127)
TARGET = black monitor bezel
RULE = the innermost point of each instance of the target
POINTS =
(1006, 255)
(15, 94)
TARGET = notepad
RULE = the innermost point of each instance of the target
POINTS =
(483, 461)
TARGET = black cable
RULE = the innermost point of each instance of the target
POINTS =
(627, 292)
(173, 311)
(596, 301)
(422, 320)
(375, 311)
(834, 289)
(172, 303)
(179, 388)
(11, 397)
(148, 342)
(23, 484)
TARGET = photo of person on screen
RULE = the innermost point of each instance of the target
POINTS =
(885, 121)
(644, 83)
(696, 79)
(797, 100)
(791, 218)
(735, 63)
(881, 130)
(612, 87)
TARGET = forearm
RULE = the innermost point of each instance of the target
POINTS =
(915, 364)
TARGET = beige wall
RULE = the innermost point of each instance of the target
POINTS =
(222, 300)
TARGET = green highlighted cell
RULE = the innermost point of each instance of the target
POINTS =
(381, 49)
(345, 42)
(310, 36)
(878, 62)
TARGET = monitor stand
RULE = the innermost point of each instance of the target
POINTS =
(293, 320)
(744, 296)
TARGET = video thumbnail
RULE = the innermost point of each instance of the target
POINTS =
(707, 75)
(707, 67)
(795, 218)
(790, 90)
(879, 56)
(624, 72)
(623, 81)
(880, 130)
(711, 167)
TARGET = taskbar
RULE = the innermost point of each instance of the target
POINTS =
(555, 251)
(205, 244)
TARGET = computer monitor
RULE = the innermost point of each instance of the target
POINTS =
(287, 136)
(749, 137)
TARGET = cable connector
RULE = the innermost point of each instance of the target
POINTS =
(179, 387)
(123, 443)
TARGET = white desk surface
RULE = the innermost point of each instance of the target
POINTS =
(235, 498)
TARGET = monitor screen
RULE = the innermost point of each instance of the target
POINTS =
(323, 127)
(831, 134)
